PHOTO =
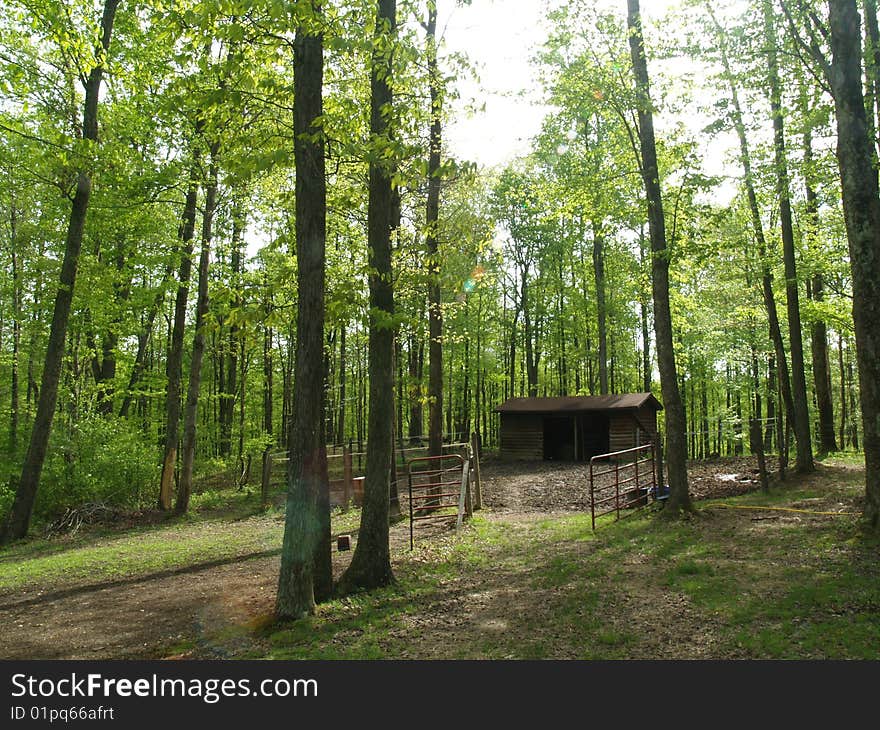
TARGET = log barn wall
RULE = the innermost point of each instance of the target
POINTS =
(628, 430)
(522, 436)
(576, 427)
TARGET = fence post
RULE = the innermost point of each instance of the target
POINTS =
(347, 485)
(266, 476)
(478, 483)
(463, 493)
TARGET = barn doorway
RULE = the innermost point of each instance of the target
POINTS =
(559, 438)
(593, 435)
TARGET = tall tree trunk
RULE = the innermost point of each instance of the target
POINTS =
(861, 207)
(415, 362)
(872, 72)
(818, 329)
(532, 355)
(19, 518)
(184, 487)
(303, 578)
(16, 331)
(676, 437)
(229, 384)
(801, 421)
(432, 213)
(767, 277)
(646, 340)
(599, 274)
(268, 365)
(340, 420)
(174, 363)
(104, 364)
(371, 563)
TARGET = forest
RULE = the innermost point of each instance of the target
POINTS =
(235, 227)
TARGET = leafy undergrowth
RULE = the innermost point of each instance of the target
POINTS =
(784, 575)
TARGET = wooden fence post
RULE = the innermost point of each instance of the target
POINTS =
(266, 476)
(463, 500)
(346, 477)
(478, 483)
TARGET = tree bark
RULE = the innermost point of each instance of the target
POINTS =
(340, 419)
(432, 214)
(18, 521)
(800, 410)
(229, 384)
(174, 363)
(16, 331)
(676, 436)
(599, 276)
(766, 277)
(818, 328)
(371, 563)
(861, 208)
(304, 575)
(184, 487)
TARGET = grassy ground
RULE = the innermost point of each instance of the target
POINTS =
(784, 575)
(744, 578)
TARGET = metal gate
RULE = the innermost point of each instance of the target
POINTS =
(441, 484)
(627, 480)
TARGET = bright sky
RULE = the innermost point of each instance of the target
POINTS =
(500, 37)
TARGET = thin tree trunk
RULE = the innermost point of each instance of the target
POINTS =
(371, 563)
(599, 274)
(435, 316)
(676, 443)
(872, 68)
(16, 332)
(415, 362)
(818, 329)
(340, 420)
(184, 487)
(144, 339)
(174, 363)
(801, 421)
(229, 384)
(766, 278)
(17, 522)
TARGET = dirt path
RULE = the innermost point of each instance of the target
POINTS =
(195, 611)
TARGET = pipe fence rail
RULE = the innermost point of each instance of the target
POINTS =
(345, 469)
(435, 488)
(622, 480)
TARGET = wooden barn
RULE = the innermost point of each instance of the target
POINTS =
(575, 428)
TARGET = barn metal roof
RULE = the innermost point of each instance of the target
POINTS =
(577, 403)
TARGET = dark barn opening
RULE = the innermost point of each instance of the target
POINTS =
(576, 428)
(594, 435)
(559, 438)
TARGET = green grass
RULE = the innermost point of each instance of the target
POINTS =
(724, 583)
(763, 584)
(239, 529)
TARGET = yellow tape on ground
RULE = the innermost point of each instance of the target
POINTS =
(785, 509)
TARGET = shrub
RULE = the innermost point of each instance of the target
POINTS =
(97, 460)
